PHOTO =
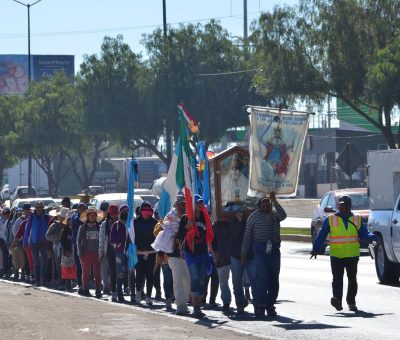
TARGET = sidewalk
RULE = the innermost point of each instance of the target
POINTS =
(41, 313)
(296, 222)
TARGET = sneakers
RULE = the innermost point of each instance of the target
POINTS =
(336, 303)
(353, 308)
(212, 304)
(197, 313)
(225, 308)
(86, 292)
(138, 297)
(98, 294)
(148, 301)
(271, 311)
(181, 311)
(240, 309)
(114, 297)
(121, 299)
(168, 304)
(158, 296)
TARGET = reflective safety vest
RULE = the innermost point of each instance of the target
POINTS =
(344, 242)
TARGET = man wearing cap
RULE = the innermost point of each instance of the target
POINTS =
(263, 234)
(35, 236)
(345, 231)
(75, 227)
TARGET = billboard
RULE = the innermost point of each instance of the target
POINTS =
(46, 65)
(13, 74)
(14, 70)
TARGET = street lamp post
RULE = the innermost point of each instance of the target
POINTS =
(28, 6)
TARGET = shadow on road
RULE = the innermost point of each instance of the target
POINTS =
(210, 323)
(290, 324)
(359, 314)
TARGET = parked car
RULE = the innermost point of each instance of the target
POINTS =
(114, 198)
(5, 192)
(147, 195)
(23, 192)
(19, 202)
(96, 190)
(329, 205)
(384, 197)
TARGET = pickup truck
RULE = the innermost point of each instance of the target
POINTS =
(384, 217)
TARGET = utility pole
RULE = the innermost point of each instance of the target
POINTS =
(168, 132)
(329, 112)
(245, 33)
(28, 6)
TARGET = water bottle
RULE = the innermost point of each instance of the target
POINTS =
(268, 248)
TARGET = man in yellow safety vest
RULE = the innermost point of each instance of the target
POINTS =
(345, 231)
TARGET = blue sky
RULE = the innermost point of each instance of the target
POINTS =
(77, 27)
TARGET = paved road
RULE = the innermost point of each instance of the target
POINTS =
(305, 311)
(304, 307)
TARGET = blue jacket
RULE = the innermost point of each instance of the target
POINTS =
(363, 233)
(76, 223)
(36, 228)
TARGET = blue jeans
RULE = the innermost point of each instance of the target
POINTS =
(78, 266)
(122, 271)
(168, 283)
(39, 253)
(223, 274)
(198, 273)
(239, 279)
(237, 269)
(267, 268)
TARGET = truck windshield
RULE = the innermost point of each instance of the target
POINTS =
(359, 201)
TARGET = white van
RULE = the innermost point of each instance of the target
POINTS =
(114, 198)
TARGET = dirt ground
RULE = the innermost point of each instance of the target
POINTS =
(30, 313)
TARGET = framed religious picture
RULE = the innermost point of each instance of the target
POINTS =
(229, 183)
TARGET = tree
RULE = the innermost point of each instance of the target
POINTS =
(8, 110)
(47, 112)
(113, 87)
(330, 48)
(198, 65)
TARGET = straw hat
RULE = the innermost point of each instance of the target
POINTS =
(100, 215)
(63, 213)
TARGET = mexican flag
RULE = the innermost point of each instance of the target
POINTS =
(184, 169)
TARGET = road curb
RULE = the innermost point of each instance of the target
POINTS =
(296, 238)
(143, 309)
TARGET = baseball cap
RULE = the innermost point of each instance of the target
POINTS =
(345, 200)
(113, 210)
(6, 210)
(26, 206)
(198, 198)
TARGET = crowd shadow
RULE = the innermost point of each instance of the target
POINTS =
(359, 314)
(210, 322)
(290, 324)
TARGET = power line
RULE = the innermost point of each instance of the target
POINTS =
(105, 30)
(226, 73)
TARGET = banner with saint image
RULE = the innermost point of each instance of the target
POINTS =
(276, 146)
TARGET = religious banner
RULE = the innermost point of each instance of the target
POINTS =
(276, 146)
